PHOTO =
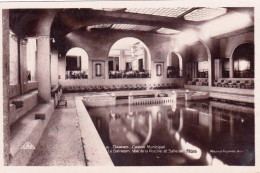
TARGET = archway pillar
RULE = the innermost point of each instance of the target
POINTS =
(213, 51)
(231, 66)
(43, 65)
(106, 69)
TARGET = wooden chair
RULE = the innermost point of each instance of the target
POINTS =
(139, 86)
(130, 87)
(70, 89)
(77, 88)
(205, 82)
(144, 86)
(118, 87)
(106, 88)
(225, 83)
(99, 88)
(91, 88)
(82, 88)
(124, 87)
(241, 84)
(249, 84)
(112, 88)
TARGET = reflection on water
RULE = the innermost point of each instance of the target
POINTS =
(189, 133)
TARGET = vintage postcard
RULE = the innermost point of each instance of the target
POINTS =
(134, 85)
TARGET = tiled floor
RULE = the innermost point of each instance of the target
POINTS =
(60, 144)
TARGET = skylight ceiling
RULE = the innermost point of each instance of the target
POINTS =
(99, 26)
(167, 31)
(167, 12)
(133, 27)
(109, 9)
(205, 14)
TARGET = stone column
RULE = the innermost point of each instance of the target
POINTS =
(231, 65)
(220, 68)
(4, 16)
(54, 69)
(90, 64)
(43, 68)
(23, 63)
(211, 71)
(195, 69)
(217, 64)
(213, 50)
(106, 69)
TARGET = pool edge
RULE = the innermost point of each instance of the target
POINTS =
(94, 149)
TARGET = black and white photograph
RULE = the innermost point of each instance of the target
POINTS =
(129, 85)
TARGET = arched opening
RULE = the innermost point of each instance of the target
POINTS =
(129, 58)
(174, 65)
(76, 64)
(243, 57)
(199, 67)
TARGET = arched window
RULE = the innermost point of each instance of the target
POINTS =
(243, 57)
(174, 65)
(76, 64)
(129, 58)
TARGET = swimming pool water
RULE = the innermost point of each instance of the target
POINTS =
(184, 133)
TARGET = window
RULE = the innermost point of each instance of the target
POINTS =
(98, 70)
(203, 69)
(158, 70)
(73, 63)
(174, 65)
(76, 64)
(244, 61)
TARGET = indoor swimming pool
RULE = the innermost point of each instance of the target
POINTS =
(182, 133)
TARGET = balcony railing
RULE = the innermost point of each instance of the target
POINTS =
(174, 74)
(129, 74)
(76, 75)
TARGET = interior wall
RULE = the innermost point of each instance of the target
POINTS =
(98, 45)
(199, 52)
(228, 44)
